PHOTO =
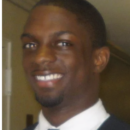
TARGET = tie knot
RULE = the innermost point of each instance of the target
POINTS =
(53, 129)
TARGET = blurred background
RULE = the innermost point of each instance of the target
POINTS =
(19, 106)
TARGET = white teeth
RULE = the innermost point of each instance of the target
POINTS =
(55, 76)
(49, 77)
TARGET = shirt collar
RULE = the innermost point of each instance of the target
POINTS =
(90, 119)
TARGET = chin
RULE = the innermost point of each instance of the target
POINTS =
(49, 101)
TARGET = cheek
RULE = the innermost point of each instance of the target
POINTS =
(73, 63)
(69, 61)
(80, 67)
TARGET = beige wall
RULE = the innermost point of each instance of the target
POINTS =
(115, 86)
(22, 99)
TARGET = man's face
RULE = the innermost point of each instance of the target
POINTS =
(57, 56)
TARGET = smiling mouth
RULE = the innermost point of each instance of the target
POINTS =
(48, 77)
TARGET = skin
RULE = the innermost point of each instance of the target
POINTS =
(55, 42)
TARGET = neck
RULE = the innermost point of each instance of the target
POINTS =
(59, 114)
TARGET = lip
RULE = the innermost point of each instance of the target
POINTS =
(47, 79)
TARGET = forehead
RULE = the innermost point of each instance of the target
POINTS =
(45, 10)
(50, 19)
(52, 15)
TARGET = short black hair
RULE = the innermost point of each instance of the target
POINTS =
(86, 13)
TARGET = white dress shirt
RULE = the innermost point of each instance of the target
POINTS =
(90, 119)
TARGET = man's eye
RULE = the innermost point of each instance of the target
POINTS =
(64, 44)
(29, 46)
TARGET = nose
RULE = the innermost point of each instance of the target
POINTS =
(44, 54)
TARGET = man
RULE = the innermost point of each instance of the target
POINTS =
(64, 51)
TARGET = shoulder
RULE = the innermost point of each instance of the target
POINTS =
(32, 127)
(113, 123)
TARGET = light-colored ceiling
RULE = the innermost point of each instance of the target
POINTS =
(116, 14)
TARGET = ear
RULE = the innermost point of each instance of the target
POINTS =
(101, 58)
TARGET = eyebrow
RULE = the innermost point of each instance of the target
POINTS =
(55, 34)
(26, 35)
